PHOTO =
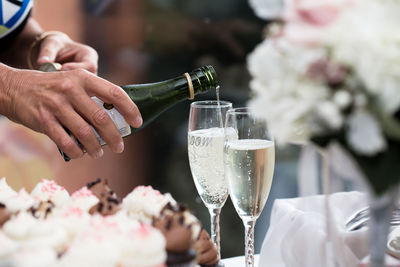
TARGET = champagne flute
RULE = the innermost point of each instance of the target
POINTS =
(205, 149)
(249, 166)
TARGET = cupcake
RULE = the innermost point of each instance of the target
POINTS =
(180, 229)
(108, 201)
(144, 203)
(116, 241)
(91, 227)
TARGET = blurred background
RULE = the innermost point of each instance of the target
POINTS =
(147, 41)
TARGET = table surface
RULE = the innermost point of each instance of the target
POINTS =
(238, 261)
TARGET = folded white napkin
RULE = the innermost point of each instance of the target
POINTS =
(299, 234)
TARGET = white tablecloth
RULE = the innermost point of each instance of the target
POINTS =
(238, 261)
(298, 236)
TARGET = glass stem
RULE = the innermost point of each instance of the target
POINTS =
(249, 242)
(381, 208)
(215, 231)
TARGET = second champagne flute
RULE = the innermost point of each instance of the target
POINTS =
(249, 168)
(205, 149)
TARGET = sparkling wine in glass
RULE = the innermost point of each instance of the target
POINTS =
(205, 148)
(249, 167)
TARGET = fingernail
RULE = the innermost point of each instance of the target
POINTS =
(138, 122)
(44, 58)
(99, 154)
(120, 147)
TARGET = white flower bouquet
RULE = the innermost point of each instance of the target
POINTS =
(330, 71)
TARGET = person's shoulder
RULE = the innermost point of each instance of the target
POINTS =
(12, 15)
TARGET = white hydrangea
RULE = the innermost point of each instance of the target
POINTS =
(364, 135)
(293, 88)
(282, 94)
(267, 9)
(370, 47)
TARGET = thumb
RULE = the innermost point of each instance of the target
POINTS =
(48, 51)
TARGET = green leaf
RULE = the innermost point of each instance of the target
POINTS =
(382, 170)
(390, 125)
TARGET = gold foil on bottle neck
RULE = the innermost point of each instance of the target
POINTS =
(191, 88)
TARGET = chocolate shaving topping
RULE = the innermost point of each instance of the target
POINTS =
(168, 206)
(109, 207)
(100, 207)
(32, 210)
(182, 207)
(169, 224)
(102, 194)
(113, 200)
(42, 209)
(2, 206)
(48, 209)
(91, 184)
(181, 220)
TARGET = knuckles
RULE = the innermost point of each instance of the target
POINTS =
(100, 117)
(84, 132)
(117, 93)
(70, 147)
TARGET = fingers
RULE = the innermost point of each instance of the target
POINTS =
(76, 56)
(81, 130)
(49, 48)
(115, 95)
(100, 120)
(206, 255)
(62, 139)
(87, 65)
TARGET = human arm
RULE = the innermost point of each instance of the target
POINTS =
(55, 47)
(47, 102)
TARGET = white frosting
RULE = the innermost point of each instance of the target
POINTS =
(50, 190)
(72, 219)
(31, 232)
(83, 239)
(7, 245)
(91, 253)
(116, 241)
(144, 202)
(143, 246)
(83, 199)
(33, 257)
(19, 202)
(5, 190)
(196, 226)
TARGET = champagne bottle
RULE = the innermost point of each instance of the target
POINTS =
(153, 99)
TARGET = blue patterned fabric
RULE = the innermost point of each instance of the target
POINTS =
(12, 14)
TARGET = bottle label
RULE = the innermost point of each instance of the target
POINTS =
(119, 121)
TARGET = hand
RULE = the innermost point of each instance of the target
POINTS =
(60, 48)
(207, 253)
(47, 102)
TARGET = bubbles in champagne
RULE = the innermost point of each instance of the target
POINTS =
(249, 167)
(205, 148)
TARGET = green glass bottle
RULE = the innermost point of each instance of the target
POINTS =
(153, 99)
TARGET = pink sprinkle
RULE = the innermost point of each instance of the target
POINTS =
(83, 192)
(146, 190)
(73, 211)
(143, 231)
(50, 186)
(109, 223)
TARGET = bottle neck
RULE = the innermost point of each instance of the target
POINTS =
(200, 80)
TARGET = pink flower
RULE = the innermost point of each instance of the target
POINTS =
(306, 19)
(327, 72)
